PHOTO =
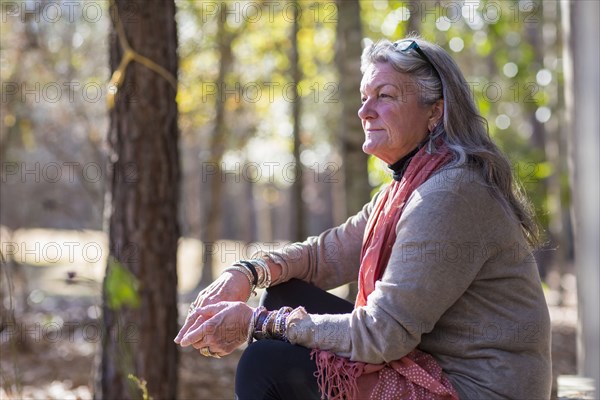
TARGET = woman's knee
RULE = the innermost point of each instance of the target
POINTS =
(254, 355)
(276, 370)
(295, 293)
(289, 293)
(252, 376)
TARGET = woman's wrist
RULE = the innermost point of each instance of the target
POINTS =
(259, 272)
(275, 268)
(243, 271)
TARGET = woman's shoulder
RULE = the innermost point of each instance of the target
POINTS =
(459, 196)
(459, 179)
(461, 189)
(461, 192)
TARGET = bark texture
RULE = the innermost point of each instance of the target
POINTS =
(142, 208)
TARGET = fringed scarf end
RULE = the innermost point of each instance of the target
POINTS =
(336, 376)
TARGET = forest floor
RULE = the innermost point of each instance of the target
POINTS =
(50, 352)
(43, 363)
(44, 366)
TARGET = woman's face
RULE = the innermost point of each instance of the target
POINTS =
(393, 119)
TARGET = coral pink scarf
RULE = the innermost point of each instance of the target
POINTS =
(416, 376)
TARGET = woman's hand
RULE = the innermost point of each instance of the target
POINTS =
(230, 286)
(220, 327)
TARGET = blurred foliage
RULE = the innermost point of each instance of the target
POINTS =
(510, 52)
(121, 286)
(142, 385)
(258, 92)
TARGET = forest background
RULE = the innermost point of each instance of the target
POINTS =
(268, 146)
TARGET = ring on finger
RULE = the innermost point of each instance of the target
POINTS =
(205, 351)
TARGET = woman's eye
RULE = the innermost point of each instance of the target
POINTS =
(363, 99)
(384, 95)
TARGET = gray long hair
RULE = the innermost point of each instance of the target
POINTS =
(463, 129)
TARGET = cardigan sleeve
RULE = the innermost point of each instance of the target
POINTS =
(328, 260)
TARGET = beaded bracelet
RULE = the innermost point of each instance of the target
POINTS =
(262, 317)
(269, 324)
(253, 321)
(280, 323)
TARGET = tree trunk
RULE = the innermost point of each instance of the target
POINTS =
(348, 52)
(214, 209)
(582, 88)
(414, 22)
(144, 193)
(554, 150)
(355, 161)
(546, 260)
(299, 230)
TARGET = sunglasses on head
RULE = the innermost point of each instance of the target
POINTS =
(407, 45)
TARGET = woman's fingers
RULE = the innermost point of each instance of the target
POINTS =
(193, 320)
(189, 321)
(229, 286)
(193, 327)
(196, 331)
(224, 328)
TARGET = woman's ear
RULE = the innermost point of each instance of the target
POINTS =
(437, 112)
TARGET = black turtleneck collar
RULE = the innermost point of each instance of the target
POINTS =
(399, 167)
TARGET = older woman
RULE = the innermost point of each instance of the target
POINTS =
(450, 303)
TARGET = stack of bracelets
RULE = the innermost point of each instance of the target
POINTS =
(257, 272)
(266, 324)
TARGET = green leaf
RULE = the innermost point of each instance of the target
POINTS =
(121, 286)
(544, 170)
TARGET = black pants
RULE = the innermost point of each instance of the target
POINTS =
(271, 369)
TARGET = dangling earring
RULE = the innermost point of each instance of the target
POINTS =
(432, 136)
(430, 144)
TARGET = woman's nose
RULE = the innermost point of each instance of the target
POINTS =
(366, 110)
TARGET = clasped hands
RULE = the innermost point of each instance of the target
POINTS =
(218, 322)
